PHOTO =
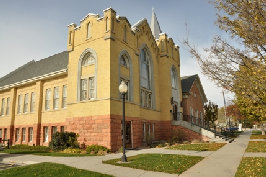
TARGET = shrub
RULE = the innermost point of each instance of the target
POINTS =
(177, 136)
(97, 149)
(31, 148)
(72, 150)
(64, 140)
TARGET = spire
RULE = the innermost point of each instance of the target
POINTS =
(155, 27)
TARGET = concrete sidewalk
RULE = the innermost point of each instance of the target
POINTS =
(222, 163)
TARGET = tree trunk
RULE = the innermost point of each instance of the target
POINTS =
(262, 129)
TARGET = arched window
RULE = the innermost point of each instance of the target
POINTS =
(174, 78)
(87, 78)
(88, 59)
(145, 69)
(126, 75)
(145, 79)
(124, 60)
(88, 30)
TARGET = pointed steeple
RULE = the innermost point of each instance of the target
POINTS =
(155, 27)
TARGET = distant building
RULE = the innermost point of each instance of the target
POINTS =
(193, 99)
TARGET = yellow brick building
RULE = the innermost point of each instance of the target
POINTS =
(77, 90)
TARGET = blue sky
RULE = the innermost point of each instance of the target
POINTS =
(35, 29)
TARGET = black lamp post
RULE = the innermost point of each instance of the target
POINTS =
(123, 91)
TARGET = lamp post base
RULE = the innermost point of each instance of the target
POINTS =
(124, 158)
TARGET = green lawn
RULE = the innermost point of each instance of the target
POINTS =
(167, 163)
(49, 169)
(252, 167)
(256, 146)
(198, 147)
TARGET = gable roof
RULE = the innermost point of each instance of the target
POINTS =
(187, 83)
(34, 69)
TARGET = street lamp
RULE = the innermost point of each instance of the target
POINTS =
(123, 91)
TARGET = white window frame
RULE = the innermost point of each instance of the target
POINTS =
(30, 134)
(17, 134)
(23, 134)
(64, 96)
(3, 107)
(83, 89)
(7, 106)
(47, 99)
(91, 88)
(144, 132)
(32, 102)
(19, 104)
(56, 98)
(26, 103)
(45, 134)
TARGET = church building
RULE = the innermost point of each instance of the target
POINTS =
(77, 90)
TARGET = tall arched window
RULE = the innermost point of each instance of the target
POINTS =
(126, 73)
(89, 30)
(70, 38)
(174, 78)
(87, 74)
(145, 79)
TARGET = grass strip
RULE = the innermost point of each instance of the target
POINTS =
(167, 163)
(256, 146)
(198, 147)
(49, 169)
(252, 167)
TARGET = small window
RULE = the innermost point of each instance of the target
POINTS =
(92, 88)
(144, 132)
(7, 106)
(45, 134)
(3, 107)
(26, 103)
(30, 134)
(0, 133)
(84, 89)
(32, 102)
(88, 30)
(23, 134)
(56, 98)
(54, 129)
(62, 128)
(17, 134)
(5, 133)
(64, 97)
(19, 104)
(47, 99)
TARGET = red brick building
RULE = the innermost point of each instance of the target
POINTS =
(193, 99)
